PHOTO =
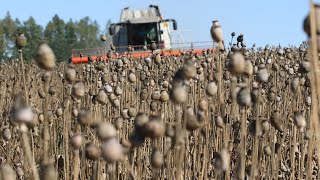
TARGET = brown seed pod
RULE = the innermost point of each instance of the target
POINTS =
(132, 112)
(244, 97)
(192, 121)
(112, 151)
(103, 38)
(102, 97)
(19, 172)
(265, 126)
(275, 120)
(76, 141)
(154, 127)
(144, 94)
(164, 96)
(189, 70)
(156, 159)
(295, 84)
(153, 106)
(45, 57)
(6, 172)
(140, 121)
(216, 31)
(219, 122)
(248, 70)
(212, 89)
(75, 112)
(105, 131)
(299, 121)
(59, 112)
(118, 91)
(262, 75)
(222, 160)
(118, 123)
(132, 78)
(70, 74)
(78, 89)
(47, 170)
(203, 105)
(267, 150)
(165, 84)
(41, 93)
(23, 115)
(179, 94)
(155, 95)
(237, 64)
(92, 151)
(157, 59)
(169, 131)
(21, 41)
(6, 134)
(84, 117)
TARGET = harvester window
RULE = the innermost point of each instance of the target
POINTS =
(142, 34)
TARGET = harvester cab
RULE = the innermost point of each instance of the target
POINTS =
(140, 27)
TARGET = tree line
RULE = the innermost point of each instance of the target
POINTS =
(62, 36)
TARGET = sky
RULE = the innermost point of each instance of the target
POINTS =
(270, 22)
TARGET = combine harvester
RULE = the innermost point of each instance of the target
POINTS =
(139, 34)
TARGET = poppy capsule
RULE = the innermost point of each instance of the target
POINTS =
(216, 31)
(21, 41)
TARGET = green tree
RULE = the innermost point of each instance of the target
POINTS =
(8, 28)
(33, 33)
(88, 33)
(54, 33)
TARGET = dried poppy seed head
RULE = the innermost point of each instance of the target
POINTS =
(132, 112)
(219, 122)
(45, 57)
(78, 89)
(156, 159)
(76, 141)
(275, 120)
(6, 134)
(248, 70)
(102, 97)
(59, 112)
(118, 123)
(6, 172)
(295, 84)
(237, 64)
(262, 75)
(92, 151)
(212, 89)
(23, 115)
(155, 95)
(179, 94)
(222, 160)
(154, 127)
(244, 97)
(112, 151)
(192, 121)
(84, 117)
(267, 150)
(216, 31)
(164, 96)
(105, 131)
(157, 59)
(299, 121)
(265, 126)
(70, 74)
(203, 105)
(21, 41)
(132, 78)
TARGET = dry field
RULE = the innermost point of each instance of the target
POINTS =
(241, 113)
